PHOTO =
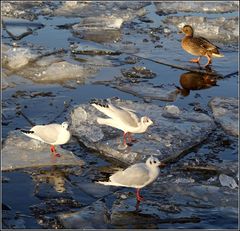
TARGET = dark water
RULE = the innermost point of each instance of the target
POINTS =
(24, 189)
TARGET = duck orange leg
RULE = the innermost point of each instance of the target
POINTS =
(209, 60)
(195, 60)
(53, 150)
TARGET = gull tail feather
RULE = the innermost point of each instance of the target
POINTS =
(104, 182)
(217, 55)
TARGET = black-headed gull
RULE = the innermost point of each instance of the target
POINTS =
(121, 118)
(136, 176)
(53, 134)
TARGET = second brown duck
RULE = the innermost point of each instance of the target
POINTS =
(198, 46)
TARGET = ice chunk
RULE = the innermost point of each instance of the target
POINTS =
(138, 72)
(124, 10)
(94, 216)
(99, 29)
(219, 29)
(20, 9)
(58, 72)
(100, 23)
(5, 82)
(174, 135)
(210, 7)
(225, 112)
(144, 90)
(172, 109)
(19, 28)
(91, 48)
(19, 151)
(16, 58)
(184, 180)
(228, 181)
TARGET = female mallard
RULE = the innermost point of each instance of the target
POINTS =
(198, 46)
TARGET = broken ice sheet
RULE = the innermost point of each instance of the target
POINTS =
(20, 9)
(219, 29)
(58, 72)
(94, 216)
(5, 82)
(225, 112)
(125, 10)
(17, 57)
(167, 138)
(21, 152)
(147, 91)
(92, 48)
(210, 7)
(19, 28)
(228, 181)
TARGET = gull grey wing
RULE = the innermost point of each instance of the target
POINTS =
(136, 175)
(48, 133)
(124, 116)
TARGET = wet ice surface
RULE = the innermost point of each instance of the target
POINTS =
(217, 29)
(172, 132)
(21, 152)
(42, 83)
(212, 7)
(18, 29)
(225, 111)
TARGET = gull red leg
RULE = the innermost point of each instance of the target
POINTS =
(130, 138)
(124, 138)
(53, 150)
(139, 198)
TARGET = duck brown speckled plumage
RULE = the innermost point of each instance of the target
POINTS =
(198, 46)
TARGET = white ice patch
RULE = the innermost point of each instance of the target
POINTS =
(228, 181)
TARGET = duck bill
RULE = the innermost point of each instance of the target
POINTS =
(180, 32)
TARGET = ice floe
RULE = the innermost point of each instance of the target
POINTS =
(219, 29)
(208, 7)
(228, 181)
(225, 112)
(21, 152)
(169, 136)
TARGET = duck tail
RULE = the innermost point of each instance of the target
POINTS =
(217, 55)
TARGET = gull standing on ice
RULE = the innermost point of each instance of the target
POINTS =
(136, 176)
(121, 118)
(53, 134)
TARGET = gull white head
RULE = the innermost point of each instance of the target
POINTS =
(146, 121)
(153, 162)
(65, 125)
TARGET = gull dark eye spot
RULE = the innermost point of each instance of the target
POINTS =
(150, 162)
(154, 161)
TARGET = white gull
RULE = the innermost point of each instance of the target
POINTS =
(121, 118)
(136, 176)
(53, 134)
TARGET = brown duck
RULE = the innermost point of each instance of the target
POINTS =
(198, 46)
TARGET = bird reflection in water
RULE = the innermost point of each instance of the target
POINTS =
(53, 177)
(195, 81)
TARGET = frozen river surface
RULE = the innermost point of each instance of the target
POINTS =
(57, 56)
